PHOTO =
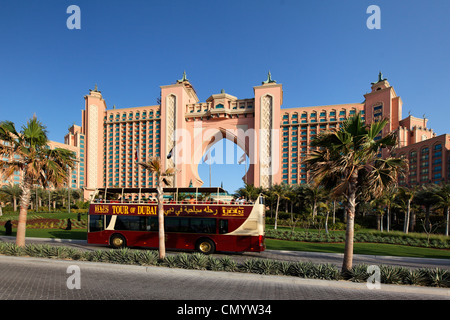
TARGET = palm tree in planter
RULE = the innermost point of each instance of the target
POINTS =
(154, 166)
(347, 161)
(28, 152)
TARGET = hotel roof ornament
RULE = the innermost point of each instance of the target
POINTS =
(184, 78)
(269, 79)
(95, 89)
(380, 78)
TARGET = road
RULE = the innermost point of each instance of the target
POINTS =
(27, 278)
(315, 257)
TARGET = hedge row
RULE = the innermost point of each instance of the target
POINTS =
(388, 274)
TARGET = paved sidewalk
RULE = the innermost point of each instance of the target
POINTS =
(40, 278)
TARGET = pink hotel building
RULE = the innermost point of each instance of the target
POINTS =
(276, 140)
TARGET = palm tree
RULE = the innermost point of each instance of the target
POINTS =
(154, 166)
(406, 196)
(388, 198)
(425, 196)
(376, 205)
(314, 194)
(29, 153)
(347, 161)
(249, 191)
(278, 191)
(442, 198)
(12, 192)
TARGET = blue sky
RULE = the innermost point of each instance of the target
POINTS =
(321, 51)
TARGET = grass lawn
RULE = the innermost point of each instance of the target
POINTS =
(380, 249)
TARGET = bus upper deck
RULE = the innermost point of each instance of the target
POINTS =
(188, 195)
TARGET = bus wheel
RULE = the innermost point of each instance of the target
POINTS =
(205, 246)
(117, 241)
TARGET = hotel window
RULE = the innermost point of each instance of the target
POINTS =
(437, 154)
(313, 115)
(323, 114)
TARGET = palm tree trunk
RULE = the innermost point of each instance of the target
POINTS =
(427, 218)
(314, 210)
(24, 203)
(334, 212)
(408, 213)
(162, 243)
(388, 218)
(350, 230)
(448, 220)
(276, 213)
(412, 221)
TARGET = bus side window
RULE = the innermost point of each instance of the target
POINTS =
(223, 226)
(95, 223)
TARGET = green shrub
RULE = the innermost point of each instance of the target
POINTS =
(214, 264)
(392, 274)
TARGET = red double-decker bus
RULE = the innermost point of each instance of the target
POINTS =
(128, 217)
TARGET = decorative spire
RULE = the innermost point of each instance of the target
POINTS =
(269, 79)
(184, 77)
(95, 89)
(380, 77)
(222, 91)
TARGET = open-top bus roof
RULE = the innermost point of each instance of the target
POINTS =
(166, 190)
